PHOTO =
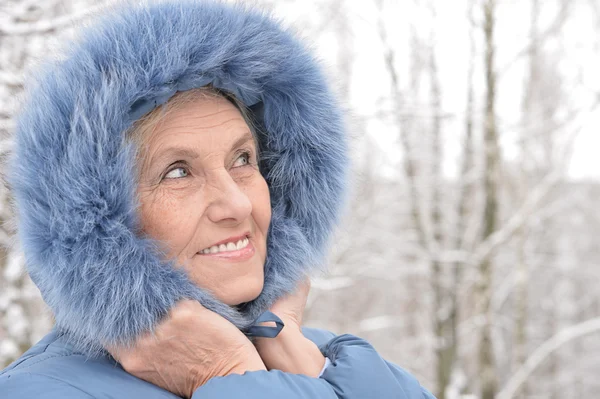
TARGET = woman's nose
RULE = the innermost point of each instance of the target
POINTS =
(228, 201)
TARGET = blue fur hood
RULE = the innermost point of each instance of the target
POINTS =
(72, 172)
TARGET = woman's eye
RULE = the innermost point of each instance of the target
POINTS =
(176, 173)
(243, 159)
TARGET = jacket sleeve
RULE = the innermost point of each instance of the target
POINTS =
(33, 385)
(356, 371)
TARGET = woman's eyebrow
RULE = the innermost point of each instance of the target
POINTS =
(242, 140)
(184, 152)
(178, 152)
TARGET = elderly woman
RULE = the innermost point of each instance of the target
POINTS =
(176, 175)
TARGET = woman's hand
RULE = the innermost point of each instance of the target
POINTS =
(290, 308)
(193, 345)
(290, 351)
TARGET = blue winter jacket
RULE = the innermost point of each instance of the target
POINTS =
(54, 369)
(73, 176)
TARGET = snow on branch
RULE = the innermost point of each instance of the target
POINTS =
(541, 353)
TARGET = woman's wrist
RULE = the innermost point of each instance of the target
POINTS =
(291, 352)
(254, 363)
(249, 361)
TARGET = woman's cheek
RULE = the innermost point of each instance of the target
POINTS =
(262, 208)
(163, 215)
(266, 201)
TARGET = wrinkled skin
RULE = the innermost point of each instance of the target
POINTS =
(180, 359)
(189, 201)
(200, 184)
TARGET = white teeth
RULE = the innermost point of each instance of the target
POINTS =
(230, 246)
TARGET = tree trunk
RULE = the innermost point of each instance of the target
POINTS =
(491, 176)
(445, 350)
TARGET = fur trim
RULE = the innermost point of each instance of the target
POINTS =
(72, 174)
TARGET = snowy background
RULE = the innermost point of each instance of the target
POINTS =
(469, 253)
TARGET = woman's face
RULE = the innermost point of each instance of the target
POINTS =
(203, 197)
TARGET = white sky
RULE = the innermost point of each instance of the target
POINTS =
(581, 43)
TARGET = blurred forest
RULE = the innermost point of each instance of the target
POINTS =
(469, 252)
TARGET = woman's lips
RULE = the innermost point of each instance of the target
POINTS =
(238, 255)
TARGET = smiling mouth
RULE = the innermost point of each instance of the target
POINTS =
(229, 251)
(228, 247)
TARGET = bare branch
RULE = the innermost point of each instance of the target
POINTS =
(553, 29)
(543, 351)
(505, 232)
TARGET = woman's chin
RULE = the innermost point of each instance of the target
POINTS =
(238, 298)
